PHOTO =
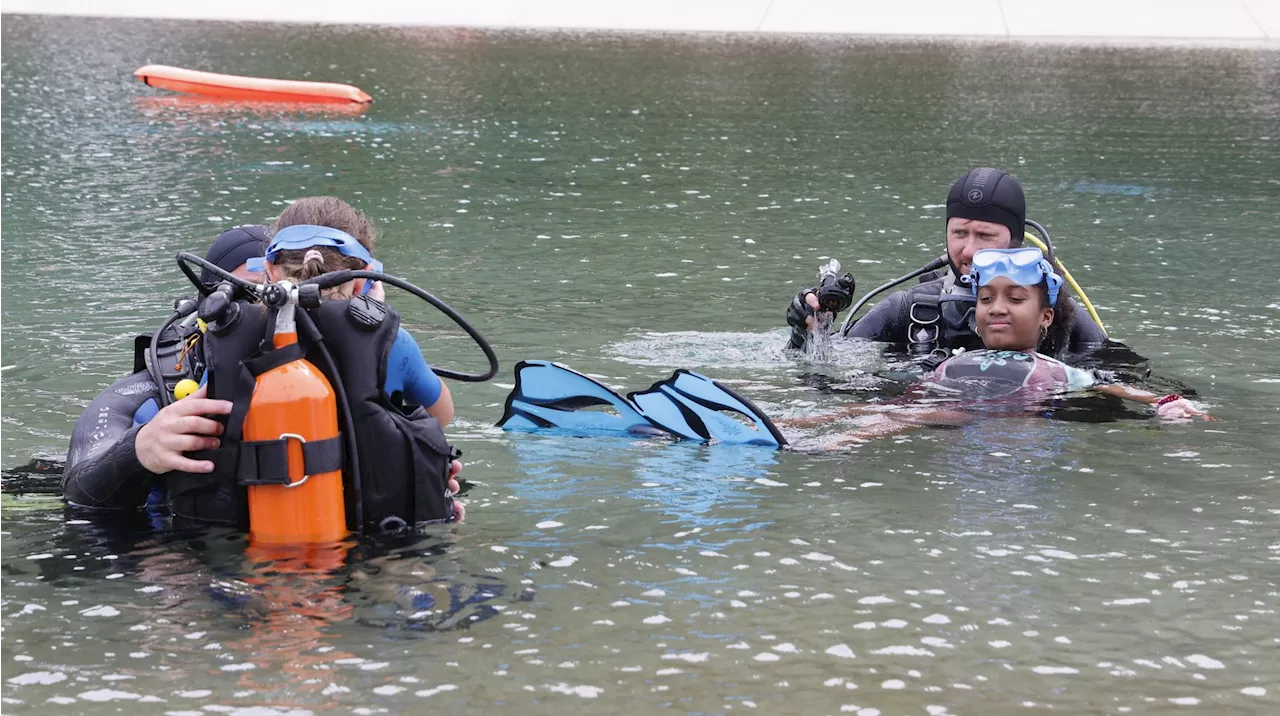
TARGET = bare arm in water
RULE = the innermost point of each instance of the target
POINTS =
(889, 420)
(1172, 407)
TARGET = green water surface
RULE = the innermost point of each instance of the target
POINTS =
(630, 205)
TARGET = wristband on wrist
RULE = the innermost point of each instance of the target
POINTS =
(1168, 399)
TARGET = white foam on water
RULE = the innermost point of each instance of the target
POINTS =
(564, 561)
(437, 690)
(1058, 554)
(1048, 670)
(1127, 602)
(766, 656)
(100, 610)
(691, 658)
(1205, 662)
(657, 619)
(109, 695)
(586, 692)
(878, 599)
(902, 650)
(37, 677)
(937, 619)
(840, 650)
(893, 684)
(388, 690)
(549, 524)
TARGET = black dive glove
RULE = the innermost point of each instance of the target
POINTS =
(799, 310)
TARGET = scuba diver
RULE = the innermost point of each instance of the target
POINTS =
(1020, 310)
(985, 209)
(107, 465)
(391, 457)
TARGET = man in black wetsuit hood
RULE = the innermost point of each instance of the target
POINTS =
(986, 209)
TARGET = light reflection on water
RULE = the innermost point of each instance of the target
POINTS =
(630, 206)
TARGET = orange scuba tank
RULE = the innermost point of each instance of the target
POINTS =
(294, 402)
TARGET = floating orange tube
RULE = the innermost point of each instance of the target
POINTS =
(212, 84)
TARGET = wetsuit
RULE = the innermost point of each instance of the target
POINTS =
(102, 464)
(1000, 374)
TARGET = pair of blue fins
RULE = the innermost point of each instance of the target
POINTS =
(549, 396)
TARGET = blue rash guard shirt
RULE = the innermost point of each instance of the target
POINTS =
(409, 374)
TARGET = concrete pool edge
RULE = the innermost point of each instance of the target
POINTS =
(1247, 24)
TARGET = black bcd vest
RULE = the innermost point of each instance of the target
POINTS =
(403, 457)
(935, 323)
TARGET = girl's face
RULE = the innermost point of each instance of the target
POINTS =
(1010, 316)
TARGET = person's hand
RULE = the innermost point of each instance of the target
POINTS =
(181, 427)
(1182, 409)
(805, 312)
(459, 509)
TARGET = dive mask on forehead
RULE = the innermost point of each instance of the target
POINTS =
(308, 236)
(1025, 267)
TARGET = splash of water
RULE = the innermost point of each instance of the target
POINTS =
(818, 346)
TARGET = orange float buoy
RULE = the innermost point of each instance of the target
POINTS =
(296, 402)
(212, 84)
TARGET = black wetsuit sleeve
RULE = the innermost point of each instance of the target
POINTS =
(886, 322)
(102, 466)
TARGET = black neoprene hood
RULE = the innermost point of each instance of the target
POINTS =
(987, 194)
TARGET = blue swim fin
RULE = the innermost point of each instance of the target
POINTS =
(548, 395)
(690, 405)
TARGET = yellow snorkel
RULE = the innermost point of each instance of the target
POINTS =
(1066, 275)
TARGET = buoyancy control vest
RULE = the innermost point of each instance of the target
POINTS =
(938, 321)
(403, 457)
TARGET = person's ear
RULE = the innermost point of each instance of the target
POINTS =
(273, 274)
(1046, 318)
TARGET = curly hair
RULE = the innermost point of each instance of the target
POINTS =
(1057, 336)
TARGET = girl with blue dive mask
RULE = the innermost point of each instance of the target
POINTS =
(1019, 319)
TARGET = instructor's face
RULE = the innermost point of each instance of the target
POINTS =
(966, 237)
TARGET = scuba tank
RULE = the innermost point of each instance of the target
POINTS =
(294, 402)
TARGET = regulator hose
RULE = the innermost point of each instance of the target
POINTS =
(933, 265)
(335, 278)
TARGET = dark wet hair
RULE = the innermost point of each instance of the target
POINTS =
(332, 212)
(1058, 336)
